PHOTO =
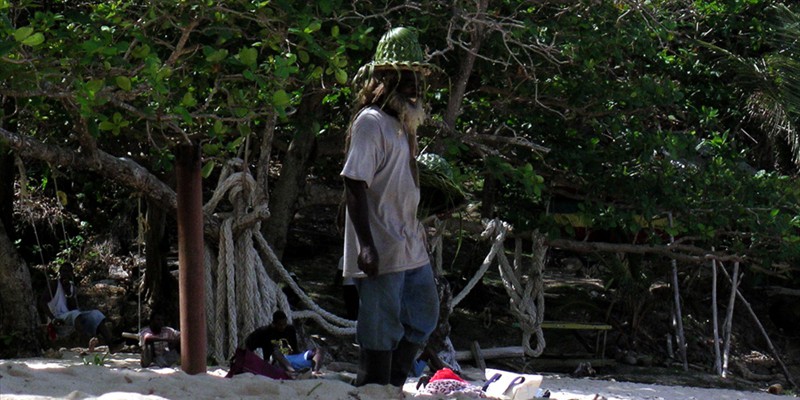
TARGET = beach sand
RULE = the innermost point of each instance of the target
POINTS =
(119, 376)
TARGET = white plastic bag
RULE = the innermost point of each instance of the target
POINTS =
(511, 385)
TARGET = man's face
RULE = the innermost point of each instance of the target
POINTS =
(281, 324)
(156, 323)
(409, 86)
(66, 273)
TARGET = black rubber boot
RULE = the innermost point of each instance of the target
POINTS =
(403, 358)
(374, 366)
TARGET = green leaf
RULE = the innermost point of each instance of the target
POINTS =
(248, 56)
(280, 98)
(188, 100)
(341, 76)
(107, 126)
(313, 27)
(335, 31)
(23, 33)
(95, 85)
(141, 51)
(211, 149)
(218, 127)
(208, 168)
(124, 83)
(325, 6)
(303, 56)
(217, 56)
(34, 40)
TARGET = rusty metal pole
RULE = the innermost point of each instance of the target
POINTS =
(191, 279)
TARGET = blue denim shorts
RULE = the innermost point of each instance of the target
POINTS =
(397, 305)
(301, 360)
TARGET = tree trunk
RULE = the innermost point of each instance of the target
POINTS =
(19, 319)
(293, 173)
(7, 190)
(488, 195)
(465, 69)
(160, 287)
(7, 177)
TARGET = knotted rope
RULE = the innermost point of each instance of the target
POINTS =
(240, 295)
(529, 311)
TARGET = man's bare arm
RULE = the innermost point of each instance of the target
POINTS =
(357, 207)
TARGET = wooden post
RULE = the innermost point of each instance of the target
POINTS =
(717, 357)
(728, 326)
(191, 267)
(678, 312)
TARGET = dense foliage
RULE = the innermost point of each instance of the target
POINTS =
(663, 119)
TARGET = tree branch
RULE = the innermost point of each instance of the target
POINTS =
(121, 170)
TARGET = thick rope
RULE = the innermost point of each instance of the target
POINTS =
(211, 308)
(494, 227)
(528, 311)
(240, 294)
(330, 322)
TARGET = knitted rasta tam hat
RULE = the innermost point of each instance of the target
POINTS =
(398, 50)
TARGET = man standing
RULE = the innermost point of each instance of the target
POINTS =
(384, 244)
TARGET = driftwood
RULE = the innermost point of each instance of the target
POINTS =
(752, 376)
(763, 332)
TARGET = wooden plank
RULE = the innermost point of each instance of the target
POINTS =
(575, 326)
(550, 364)
(497, 352)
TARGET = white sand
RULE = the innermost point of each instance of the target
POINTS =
(120, 377)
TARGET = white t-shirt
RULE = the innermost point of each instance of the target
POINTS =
(379, 155)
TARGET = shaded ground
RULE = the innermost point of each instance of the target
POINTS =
(573, 292)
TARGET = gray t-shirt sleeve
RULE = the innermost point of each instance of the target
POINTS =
(366, 149)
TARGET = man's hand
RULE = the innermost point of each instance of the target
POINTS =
(368, 261)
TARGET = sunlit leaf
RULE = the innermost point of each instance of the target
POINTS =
(341, 76)
(23, 33)
(34, 40)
